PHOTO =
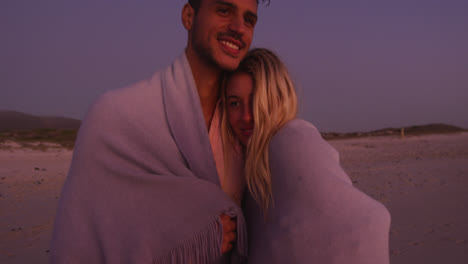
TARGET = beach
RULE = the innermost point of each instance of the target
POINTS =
(422, 180)
(30, 185)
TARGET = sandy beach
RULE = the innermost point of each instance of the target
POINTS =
(422, 180)
(30, 184)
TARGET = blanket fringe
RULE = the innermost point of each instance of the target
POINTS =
(204, 247)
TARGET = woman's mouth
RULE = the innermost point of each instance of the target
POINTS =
(247, 132)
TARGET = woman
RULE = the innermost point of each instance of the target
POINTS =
(275, 104)
(301, 207)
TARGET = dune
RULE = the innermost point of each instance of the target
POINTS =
(405, 131)
(13, 120)
(26, 129)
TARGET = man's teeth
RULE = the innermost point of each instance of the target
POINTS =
(229, 44)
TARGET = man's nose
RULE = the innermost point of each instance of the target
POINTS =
(237, 25)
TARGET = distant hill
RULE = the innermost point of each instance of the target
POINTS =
(12, 120)
(25, 128)
(408, 131)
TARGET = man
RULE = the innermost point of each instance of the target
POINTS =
(219, 36)
(143, 185)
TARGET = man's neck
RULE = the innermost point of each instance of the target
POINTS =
(208, 82)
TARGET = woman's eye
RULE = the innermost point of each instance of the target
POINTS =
(234, 104)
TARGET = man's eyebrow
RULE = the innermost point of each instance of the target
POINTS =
(249, 13)
(252, 14)
(221, 2)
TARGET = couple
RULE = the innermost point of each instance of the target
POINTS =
(157, 174)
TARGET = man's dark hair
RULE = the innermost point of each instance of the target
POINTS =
(196, 3)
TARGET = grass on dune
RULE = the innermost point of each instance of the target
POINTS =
(63, 137)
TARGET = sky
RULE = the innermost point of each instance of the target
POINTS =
(358, 65)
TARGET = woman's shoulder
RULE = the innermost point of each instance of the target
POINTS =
(298, 123)
(296, 130)
(300, 136)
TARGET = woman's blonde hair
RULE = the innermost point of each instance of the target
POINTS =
(274, 103)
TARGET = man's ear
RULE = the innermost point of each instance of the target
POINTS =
(188, 15)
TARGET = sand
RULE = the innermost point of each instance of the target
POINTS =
(30, 184)
(423, 181)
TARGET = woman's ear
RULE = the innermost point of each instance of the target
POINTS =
(188, 15)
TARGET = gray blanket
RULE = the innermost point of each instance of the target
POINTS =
(143, 186)
(317, 216)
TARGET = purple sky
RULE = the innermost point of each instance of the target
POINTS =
(358, 65)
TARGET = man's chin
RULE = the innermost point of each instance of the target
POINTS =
(228, 62)
(229, 65)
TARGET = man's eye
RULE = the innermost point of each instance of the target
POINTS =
(250, 21)
(223, 11)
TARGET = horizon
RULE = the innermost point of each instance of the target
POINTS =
(369, 64)
(326, 132)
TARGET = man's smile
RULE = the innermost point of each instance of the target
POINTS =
(231, 45)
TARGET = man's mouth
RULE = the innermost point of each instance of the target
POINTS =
(231, 45)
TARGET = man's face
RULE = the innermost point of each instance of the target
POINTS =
(222, 31)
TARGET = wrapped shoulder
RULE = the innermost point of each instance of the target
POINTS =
(301, 137)
(128, 106)
(295, 128)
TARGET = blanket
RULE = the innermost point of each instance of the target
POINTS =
(143, 186)
(317, 215)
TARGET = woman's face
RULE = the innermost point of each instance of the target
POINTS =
(239, 105)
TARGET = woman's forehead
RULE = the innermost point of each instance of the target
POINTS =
(239, 82)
